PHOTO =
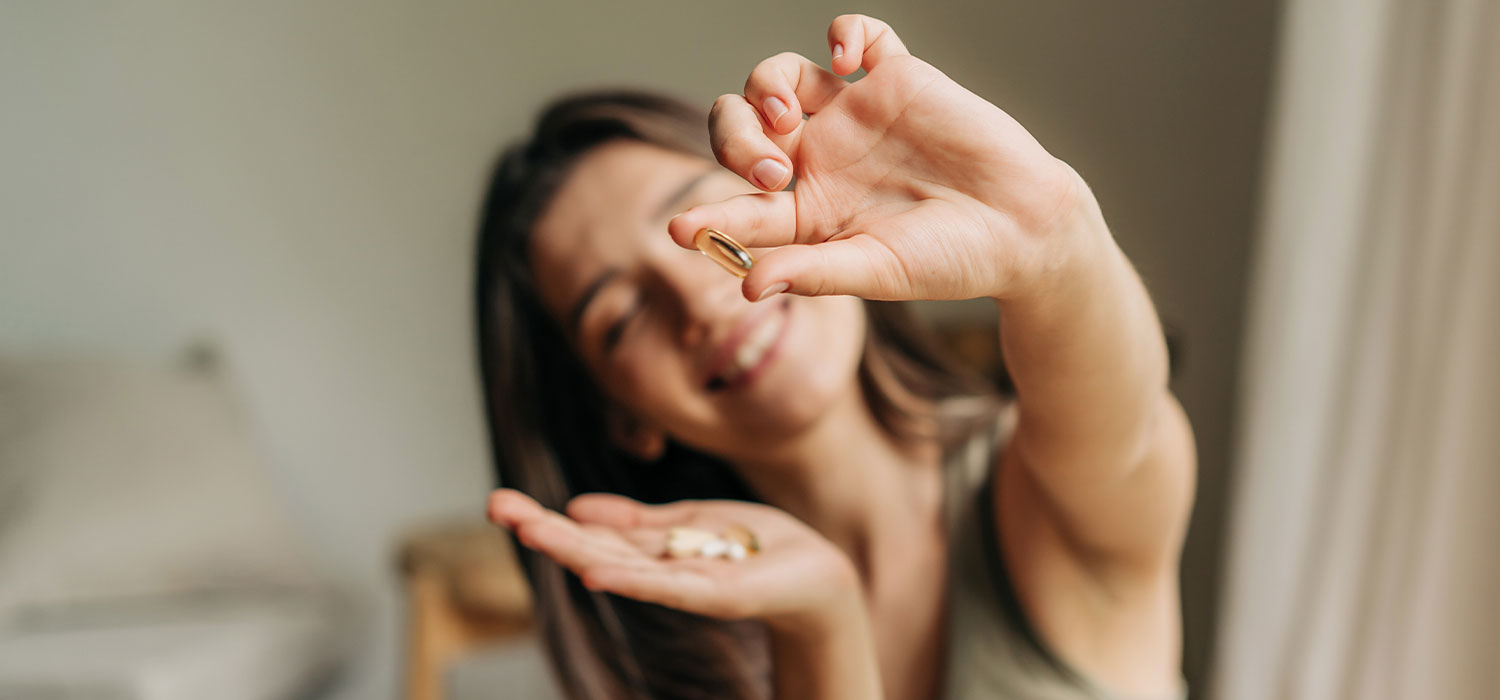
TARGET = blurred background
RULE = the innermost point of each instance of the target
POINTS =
(240, 434)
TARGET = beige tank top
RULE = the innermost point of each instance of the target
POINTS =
(993, 651)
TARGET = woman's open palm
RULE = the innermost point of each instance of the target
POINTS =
(618, 545)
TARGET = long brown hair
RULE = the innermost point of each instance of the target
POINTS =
(547, 430)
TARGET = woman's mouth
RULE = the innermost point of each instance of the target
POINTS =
(748, 354)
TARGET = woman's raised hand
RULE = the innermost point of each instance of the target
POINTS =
(908, 185)
(618, 545)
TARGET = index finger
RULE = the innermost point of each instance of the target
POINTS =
(760, 220)
(859, 41)
(509, 507)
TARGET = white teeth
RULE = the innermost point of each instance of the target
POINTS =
(753, 348)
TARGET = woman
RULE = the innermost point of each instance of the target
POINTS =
(1035, 556)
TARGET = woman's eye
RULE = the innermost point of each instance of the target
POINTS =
(616, 329)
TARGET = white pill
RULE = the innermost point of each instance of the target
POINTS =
(737, 551)
(713, 548)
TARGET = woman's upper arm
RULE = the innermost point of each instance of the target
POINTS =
(1132, 524)
(1094, 564)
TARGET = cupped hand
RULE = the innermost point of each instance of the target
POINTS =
(908, 185)
(618, 545)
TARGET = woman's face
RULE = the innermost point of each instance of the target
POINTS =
(667, 332)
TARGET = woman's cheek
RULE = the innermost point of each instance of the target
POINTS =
(643, 373)
(628, 370)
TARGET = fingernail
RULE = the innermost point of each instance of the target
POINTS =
(774, 109)
(838, 50)
(768, 173)
(773, 290)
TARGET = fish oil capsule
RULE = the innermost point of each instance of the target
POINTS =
(742, 536)
(725, 251)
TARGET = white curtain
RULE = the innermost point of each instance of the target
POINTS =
(1364, 545)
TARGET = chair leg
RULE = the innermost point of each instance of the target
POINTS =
(435, 633)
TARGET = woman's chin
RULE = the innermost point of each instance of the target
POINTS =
(788, 399)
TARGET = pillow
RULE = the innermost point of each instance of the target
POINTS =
(125, 481)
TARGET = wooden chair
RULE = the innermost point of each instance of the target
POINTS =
(464, 590)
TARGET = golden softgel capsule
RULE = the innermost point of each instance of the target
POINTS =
(725, 251)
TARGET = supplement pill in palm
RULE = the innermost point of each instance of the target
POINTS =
(725, 251)
(714, 548)
(687, 541)
(743, 536)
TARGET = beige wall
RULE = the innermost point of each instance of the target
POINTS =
(299, 180)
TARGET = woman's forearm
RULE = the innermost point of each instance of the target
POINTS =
(1087, 355)
(828, 656)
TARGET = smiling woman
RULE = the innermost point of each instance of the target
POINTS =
(557, 436)
(918, 535)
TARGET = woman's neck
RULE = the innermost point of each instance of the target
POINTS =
(850, 480)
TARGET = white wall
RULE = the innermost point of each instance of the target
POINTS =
(299, 180)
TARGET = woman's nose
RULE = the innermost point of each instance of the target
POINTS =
(706, 294)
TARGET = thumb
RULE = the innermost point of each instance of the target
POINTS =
(860, 266)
